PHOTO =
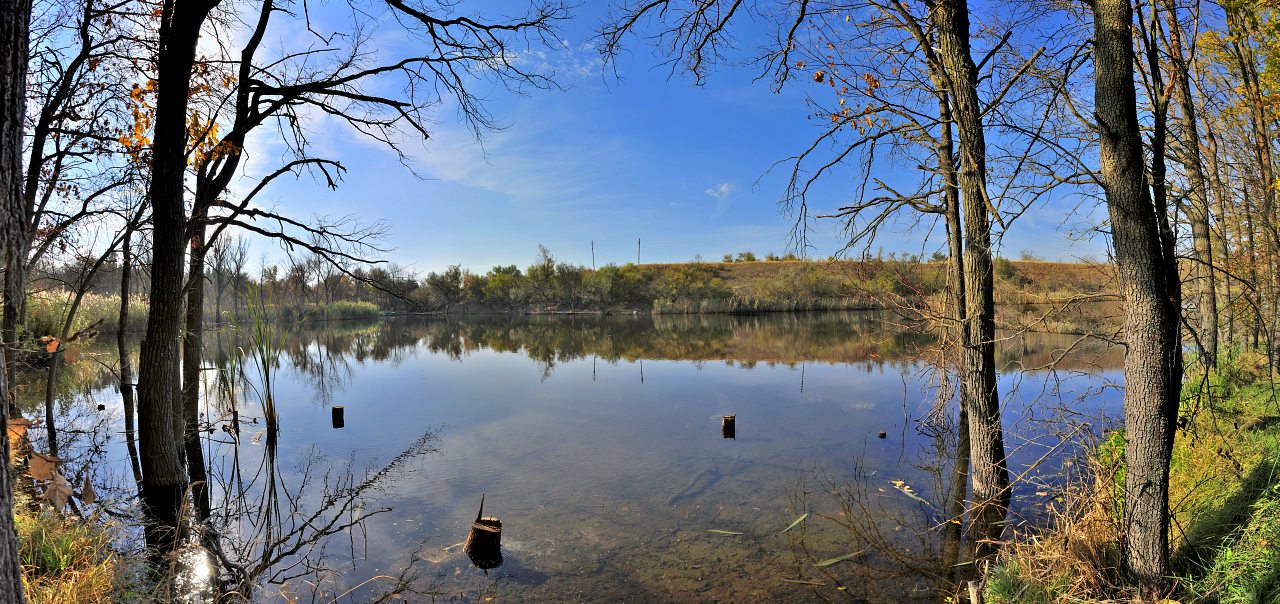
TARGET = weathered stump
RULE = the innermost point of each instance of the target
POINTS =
(484, 541)
(728, 426)
(338, 419)
(485, 533)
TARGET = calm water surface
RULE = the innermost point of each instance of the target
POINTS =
(597, 441)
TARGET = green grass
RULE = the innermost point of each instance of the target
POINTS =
(1008, 584)
(64, 559)
(1245, 567)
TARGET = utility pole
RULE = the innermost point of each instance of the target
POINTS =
(593, 254)
(637, 251)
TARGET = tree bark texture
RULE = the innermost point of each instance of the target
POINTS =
(988, 470)
(15, 17)
(160, 412)
(126, 360)
(192, 355)
(953, 530)
(1150, 285)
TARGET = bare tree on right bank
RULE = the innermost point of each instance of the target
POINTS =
(1147, 268)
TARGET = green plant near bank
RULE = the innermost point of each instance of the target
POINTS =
(65, 559)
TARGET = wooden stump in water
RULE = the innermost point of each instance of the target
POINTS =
(338, 419)
(484, 541)
(728, 426)
(485, 533)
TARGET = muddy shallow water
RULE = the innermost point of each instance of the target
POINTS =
(597, 441)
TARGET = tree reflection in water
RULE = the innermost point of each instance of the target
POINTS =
(297, 529)
(283, 533)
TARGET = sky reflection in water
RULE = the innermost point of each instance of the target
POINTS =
(597, 442)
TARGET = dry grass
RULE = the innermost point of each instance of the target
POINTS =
(65, 559)
(1076, 558)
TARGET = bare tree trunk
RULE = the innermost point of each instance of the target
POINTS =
(192, 356)
(14, 292)
(1149, 281)
(989, 472)
(15, 16)
(1221, 196)
(953, 530)
(1200, 214)
(126, 360)
(1251, 241)
(160, 411)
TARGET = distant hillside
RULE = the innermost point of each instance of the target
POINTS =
(1017, 281)
(1057, 297)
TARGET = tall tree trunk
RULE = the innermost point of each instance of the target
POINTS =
(126, 360)
(1251, 242)
(988, 469)
(160, 413)
(15, 17)
(14, 293)
(192, 355)
(1149, 282)
(953, 530)
(1200, 214)
(1221, 196)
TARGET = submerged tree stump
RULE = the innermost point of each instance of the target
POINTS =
(728, 426)
(484, 541)
(485, 532)
(338, 419)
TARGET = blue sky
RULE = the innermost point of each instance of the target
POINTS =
(684, 168)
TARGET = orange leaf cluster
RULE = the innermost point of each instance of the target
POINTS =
(136, 139)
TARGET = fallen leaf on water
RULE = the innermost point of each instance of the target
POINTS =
(723, 532)
(907, 490)
(256, 438)
(87, 493)
(58, 491)
(41, 466)
(796, 522)
(830, 561)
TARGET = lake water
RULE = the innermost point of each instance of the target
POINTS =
(597, 441)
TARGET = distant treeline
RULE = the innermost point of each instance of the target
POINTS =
(743, 284)
(315, 290)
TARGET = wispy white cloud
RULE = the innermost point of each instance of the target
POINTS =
(720, 191)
